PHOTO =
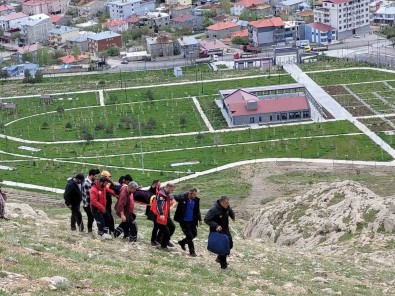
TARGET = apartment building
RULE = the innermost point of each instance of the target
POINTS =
(269, 31)
(348, 17)
(33, 7)
(123, 9)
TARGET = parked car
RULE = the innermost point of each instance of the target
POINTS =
(124, 62)
(357, 36)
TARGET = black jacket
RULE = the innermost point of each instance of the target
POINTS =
(72, 194)
(219, 216)
(182, 200)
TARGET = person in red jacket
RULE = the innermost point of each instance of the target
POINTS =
(98, 206)
(124, 208)
(161, 208)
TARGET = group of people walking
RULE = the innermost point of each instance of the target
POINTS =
(96, 192)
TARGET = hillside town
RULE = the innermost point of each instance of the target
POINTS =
(62, 34)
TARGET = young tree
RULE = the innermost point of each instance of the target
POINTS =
(226, 6)
(113, 51)
(240, 40)
(69, 126)
(27, 76)
(39, 76)
(76, 51)
(60, 110)
(183, 120)
(150, 95)
(113, 99)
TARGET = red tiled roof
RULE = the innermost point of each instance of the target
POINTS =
(5, 7)
(211, 44)
(247, 3)
(37, 2)
(182, 18)
(133, 19)
(69, 59)
(321, 27)
(55, 18)
(27, 48)
(14, 16)
(112, 23)
(269, 22)
(236, 103)
(307, 12)
(242, 33)
(222, 26)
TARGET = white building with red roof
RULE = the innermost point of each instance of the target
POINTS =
(348, 17)
(11, 21)
(6, 9)
(266, 31)
(266, 105)
(222, 30)
(116, 25)
(238, 7)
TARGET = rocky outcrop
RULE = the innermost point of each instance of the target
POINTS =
(16, 210)
(326, 215)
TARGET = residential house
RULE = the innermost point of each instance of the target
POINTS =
(60, 19)
(385, 15)
(27, 50)
(36, 28)
(187, 46)
(60, 34)
(262, 9)
(116, 25)
(210, 47)
(80, 41)
(306, 15)
(291, 31)
(155, 20)
(221, 30)
(178, 10)
(290, 6)
(104, 40)
(122, 9)
(269, 31)
(180, 2)
(348, 17)
(6, 9)
(241, 33)
(238, 7)
(320, 33)
(74, 60)
(90, 8)
(187, 21)
(132, 21)
(160, 46)
(11, 20)
(266, 105)
(33, 7)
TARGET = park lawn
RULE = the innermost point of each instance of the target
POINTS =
(350, 76)
(32, 106)
(212, 112)
(358, 147)
(170, 116)
(367, 87)
(84, 150)
(195, 89)
(327, 63)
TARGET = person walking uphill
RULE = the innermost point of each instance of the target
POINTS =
(124, 208)
(72, 198)
(3, 199)
(218, 220)
(161, 208)
(98, 206)
(86, 201)
(189, 217)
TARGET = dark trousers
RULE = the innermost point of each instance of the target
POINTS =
(102, 221)
(76, 218)
(90, 217)
(166, 231)
(111, 223)
(190, 231)
(128, 228)
(155, 234)
(222, 258)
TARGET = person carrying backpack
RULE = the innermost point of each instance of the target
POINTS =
(218, 220)
(72, 198)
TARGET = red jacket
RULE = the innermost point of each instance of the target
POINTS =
(161, 206)
(125, 203)
(98, 197)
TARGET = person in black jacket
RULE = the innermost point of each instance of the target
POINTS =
(218, 220)
(72, 198)
(188, 215)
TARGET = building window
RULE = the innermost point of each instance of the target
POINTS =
(278, 116)
(271, 117)
(252, 119)
(284, 116)
(260, 118)
(306, 114)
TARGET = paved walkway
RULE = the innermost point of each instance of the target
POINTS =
(204, 117)
(101, 97)
(333, 106)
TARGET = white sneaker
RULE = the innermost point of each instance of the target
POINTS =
(106, 236)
